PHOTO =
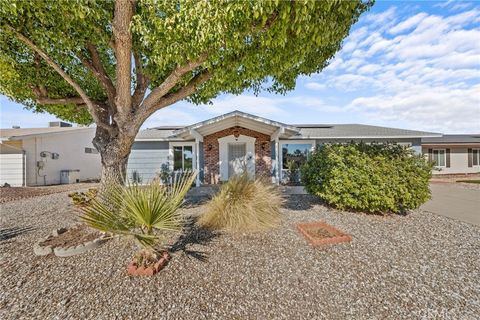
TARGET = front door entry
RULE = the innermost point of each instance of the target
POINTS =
(236, 158)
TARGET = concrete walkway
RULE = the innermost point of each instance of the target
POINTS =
(454, 202)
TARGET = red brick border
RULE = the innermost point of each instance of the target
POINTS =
(338, 238)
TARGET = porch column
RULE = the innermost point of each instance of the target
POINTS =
(276, 137)
(198, 139)
(277, 161)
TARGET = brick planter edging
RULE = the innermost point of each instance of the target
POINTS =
(40, 250)
(338, 238)
(134, 270)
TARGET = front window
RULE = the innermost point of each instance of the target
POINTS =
(439, 157)
(296, 152)
(476, 157)
(182, 158)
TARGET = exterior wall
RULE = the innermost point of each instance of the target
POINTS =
(458, 159)
(147, 158)
(12, 168)
(14, 144)
(70, 147)
(263, 160)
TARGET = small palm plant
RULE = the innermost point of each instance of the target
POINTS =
(142, 212)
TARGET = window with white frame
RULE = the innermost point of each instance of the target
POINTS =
(182, 158)
(476, 157)
(296, 152)
(439, 157)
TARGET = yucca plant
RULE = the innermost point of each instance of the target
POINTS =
(243, 204)
(141, 212)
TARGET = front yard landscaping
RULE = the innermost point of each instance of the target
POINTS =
(414, 266)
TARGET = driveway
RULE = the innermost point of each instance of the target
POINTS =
(455, 202)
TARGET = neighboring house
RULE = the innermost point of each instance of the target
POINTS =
(453, 154)
(223, 146)
(36, 156)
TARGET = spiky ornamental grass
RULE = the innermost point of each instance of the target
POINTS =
(141, 212)
(244, 204)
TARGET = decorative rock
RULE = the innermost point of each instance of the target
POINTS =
(73, 251)
(57, 232)
(42, 251)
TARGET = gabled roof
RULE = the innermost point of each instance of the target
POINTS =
(453, 139)
(236, 118)
(299, 131)
(25, 133)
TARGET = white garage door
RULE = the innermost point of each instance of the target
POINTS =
(11, 169)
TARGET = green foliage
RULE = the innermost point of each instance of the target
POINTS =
(250, 44)
(83, 199)
(293, 169)
(141, 212)
(243, 204)
(375, 178)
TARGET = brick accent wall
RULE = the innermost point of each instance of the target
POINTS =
(263, 161)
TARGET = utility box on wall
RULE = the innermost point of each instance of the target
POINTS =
(69, 176)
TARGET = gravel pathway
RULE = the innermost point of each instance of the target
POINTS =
(8, 194)
(418, 266)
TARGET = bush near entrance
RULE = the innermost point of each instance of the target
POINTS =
(375, 178)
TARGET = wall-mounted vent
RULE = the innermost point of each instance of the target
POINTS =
(91, 150)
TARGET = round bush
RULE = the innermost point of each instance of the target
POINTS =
(375, 178)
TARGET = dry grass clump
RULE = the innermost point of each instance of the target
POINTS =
(243, 204)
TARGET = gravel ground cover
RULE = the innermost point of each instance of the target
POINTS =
(16, 193)
(416, 266)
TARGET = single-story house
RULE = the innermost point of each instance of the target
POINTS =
(453, 153)
(37, 156)
(225, 145)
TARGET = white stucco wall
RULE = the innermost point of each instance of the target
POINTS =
(458, 160)
(71, 149)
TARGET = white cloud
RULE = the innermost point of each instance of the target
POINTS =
(315, 86)
(422, 71)
(408, 24)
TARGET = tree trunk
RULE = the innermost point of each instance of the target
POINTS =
(114, 149)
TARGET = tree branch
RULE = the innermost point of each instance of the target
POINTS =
(96, 67)
(173, 97)
(170, 82)
(142, 81)
(74, 100)
(123, 52)
(90, 106)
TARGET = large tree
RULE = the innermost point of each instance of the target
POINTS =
(115, 63)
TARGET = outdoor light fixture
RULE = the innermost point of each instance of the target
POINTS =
(236, 133)
(210, 146)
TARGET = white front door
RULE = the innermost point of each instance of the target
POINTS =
(236, 154)
(236, 158)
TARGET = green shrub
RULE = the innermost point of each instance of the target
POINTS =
(243, 204)
(375, 178)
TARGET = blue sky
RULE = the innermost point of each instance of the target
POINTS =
(406, 64)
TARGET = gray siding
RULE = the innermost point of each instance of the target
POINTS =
(146, 158)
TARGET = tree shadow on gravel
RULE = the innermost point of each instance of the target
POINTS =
(300, 202)
(193, 234)
(10, 233)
